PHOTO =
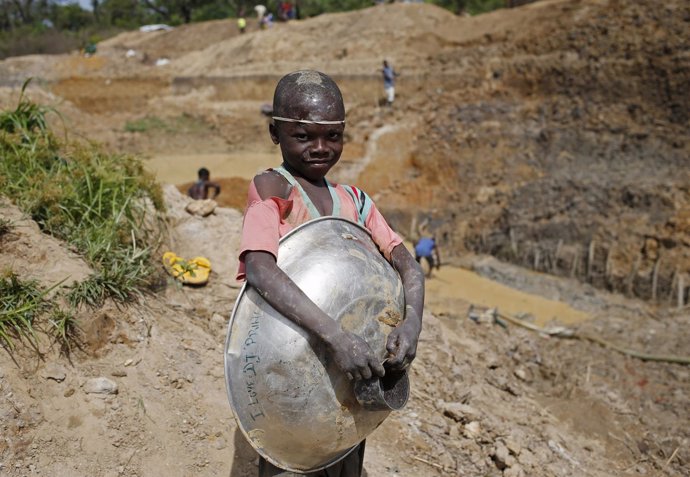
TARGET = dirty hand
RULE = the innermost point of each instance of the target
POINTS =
(354, 356)
(402, 342)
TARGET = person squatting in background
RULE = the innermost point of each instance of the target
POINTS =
(200, 189)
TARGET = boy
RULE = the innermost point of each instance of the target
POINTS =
(199, 190)
(308, 124)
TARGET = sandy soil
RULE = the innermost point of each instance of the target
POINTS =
(485, 113)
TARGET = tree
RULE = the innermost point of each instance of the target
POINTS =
(173, 10)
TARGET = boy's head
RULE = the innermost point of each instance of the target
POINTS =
(308, 122)
(204, 174)
(308, 95)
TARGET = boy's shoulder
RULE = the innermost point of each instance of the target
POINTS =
(270, 183)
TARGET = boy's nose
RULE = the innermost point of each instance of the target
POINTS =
(319, 146)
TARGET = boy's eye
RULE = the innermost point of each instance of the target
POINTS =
(300, 137)
(334, 135)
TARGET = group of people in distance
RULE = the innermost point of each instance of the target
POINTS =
(308, 123)
(286, 11)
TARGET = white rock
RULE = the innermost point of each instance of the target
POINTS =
(472, 430)
(201, 208)
(514, 471)
(100, 386)
(458, 411)
(217, 320)
(54, 371)
(513, 446)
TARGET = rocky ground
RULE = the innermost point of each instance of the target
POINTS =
(553, 136)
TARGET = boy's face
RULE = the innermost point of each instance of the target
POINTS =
(310, 150)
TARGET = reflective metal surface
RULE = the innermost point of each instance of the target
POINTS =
(296, 408)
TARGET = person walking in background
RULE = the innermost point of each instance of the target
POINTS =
(199, 190)
(267, 21)
(389, 75)
(427, 249)
(242, 22)
(260, 12)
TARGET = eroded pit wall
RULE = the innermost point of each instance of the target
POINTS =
(359, 88)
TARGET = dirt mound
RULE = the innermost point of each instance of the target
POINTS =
(150, 46)
(149, 398)
(26, 251)
(557, 133)
(357, 43)
(560, 145)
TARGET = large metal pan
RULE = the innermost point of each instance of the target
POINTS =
(296, 408)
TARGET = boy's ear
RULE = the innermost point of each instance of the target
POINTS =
(273, 131)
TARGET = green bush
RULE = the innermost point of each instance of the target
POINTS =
(22, 304)
(95, 201)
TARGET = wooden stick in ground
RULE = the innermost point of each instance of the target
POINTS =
(433, 464)
(562, 332)
(655, 278)
(672, 456)
(681, 291)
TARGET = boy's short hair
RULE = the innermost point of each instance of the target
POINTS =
(203, 172)
(304, 83)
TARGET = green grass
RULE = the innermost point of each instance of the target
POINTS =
(182, 124)
(99, 203)
(22, 304)
(147, 123)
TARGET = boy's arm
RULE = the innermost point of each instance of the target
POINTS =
(215, 186)
(402, 341)
(350, 352)
(438, 257)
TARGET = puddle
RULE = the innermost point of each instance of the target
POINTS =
(181, 168)
(452, 284)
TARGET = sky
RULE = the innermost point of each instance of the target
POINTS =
(86, 4)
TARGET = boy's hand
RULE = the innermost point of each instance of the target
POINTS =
(402, 341)
(354, 356)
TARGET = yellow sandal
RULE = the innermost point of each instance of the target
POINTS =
(193, 272)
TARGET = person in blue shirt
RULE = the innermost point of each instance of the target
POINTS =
(427, 249)
(389, 75)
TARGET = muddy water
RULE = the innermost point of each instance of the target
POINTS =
(181, 168)
(451, 286)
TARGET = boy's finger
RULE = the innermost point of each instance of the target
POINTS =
(366, 372)
(397, 358)
(392, 343)
(378, 368)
